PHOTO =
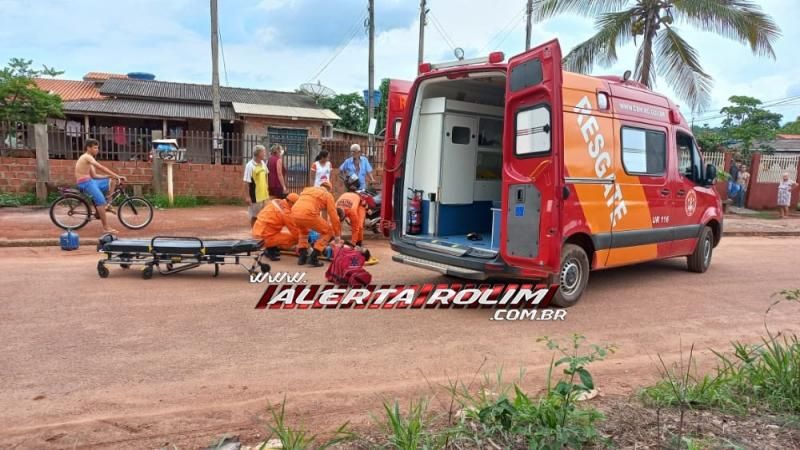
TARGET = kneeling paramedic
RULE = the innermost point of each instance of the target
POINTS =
(355, 209)
(270, 223)
(306, 214)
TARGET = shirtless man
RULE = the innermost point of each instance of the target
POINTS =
(98, 187)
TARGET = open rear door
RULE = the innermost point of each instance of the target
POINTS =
(395, 111)
(532, 160)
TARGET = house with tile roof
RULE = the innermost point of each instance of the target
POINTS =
(180, 110)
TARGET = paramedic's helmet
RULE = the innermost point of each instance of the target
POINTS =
(292, 198)
(352, 183)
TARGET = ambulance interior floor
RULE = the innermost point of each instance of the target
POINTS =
(461, 240)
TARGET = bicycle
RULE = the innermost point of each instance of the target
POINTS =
(72, 210)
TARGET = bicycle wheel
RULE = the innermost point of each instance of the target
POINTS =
(135, 213)
(70, 212)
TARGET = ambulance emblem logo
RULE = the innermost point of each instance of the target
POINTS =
(691, 203)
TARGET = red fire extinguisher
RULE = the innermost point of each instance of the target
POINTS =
(414, 219)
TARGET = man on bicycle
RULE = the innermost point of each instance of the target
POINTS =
(98, 187)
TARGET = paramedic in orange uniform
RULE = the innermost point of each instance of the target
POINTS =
(270, 222)
(355, 209)
(306, 214)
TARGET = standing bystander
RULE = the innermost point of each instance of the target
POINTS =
(255, 181)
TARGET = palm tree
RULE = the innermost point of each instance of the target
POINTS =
(650, 25)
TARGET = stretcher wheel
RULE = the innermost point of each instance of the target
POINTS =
(265, 268)
(216, 270)
(125, 266)
(102, 270)
(147, 272)
(169, 267)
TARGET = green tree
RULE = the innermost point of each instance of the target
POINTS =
(709, 139)
(792, 127)
(650, 24)
(20, 99)
(748, 123)
(380, 111)
(350, 108)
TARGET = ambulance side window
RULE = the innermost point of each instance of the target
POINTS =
(689, 160)
(532, 126)
(644, 152)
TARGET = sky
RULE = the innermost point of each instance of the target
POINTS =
(280, 44)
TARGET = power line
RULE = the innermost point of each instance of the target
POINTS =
(510, 23)
(777, 103)
(440, 29)
(510, 32)
(764, 104)
(352, 33)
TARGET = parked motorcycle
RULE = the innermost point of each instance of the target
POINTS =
(371, 196)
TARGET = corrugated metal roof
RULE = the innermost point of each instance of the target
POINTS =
(69, 89)
(145, 108)
(249, 109)
(202, 93)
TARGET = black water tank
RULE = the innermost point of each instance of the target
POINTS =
(141, 76)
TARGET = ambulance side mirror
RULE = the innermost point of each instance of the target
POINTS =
(711, 174)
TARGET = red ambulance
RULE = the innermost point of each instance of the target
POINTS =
(529, 172)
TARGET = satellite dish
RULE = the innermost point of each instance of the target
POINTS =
(459, 52)
(627, 75)
(317, 90)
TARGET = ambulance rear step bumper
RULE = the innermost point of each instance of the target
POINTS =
(442, 268)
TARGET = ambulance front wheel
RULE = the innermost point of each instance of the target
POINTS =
(700, 259)
(573, 277)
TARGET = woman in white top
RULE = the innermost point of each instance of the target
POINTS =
(321, 168)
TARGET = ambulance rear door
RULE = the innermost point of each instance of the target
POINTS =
(532, 159)
(393, 157)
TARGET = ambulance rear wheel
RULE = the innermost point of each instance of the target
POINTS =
(700, 259)
(573, 276)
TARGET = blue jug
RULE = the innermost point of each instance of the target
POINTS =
(69, 240)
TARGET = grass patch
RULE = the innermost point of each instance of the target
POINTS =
(764, 375)
(190, 201)
(296, 438)
(9, 199)
(513, 419)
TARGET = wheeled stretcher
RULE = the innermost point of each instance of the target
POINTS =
(172, 254)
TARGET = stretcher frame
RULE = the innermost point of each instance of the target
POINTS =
(175, 261)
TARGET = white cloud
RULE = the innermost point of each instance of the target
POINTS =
(170, 39)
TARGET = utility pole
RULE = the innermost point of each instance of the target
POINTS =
(423, 13)
(528, 13)
(217, 126)
(371, 88)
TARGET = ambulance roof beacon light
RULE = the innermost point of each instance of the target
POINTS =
(496, 57)
(493, 58)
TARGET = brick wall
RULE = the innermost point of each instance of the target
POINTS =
(207, 180)
(18, 175)
(259, 125)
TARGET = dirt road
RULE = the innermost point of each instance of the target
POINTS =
(127, 363)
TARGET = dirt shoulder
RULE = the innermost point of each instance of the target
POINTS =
(128, 363)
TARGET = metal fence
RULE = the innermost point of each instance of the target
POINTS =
(715, 158)
(339, 150)
(772, 167)
(16, 139)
